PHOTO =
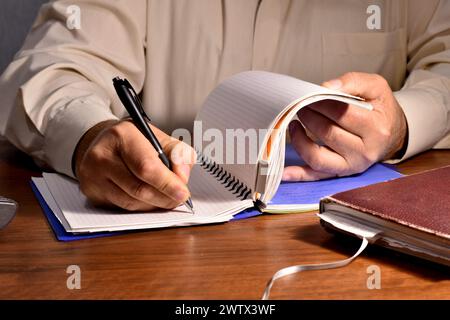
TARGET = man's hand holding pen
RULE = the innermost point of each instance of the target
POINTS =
(116, 165)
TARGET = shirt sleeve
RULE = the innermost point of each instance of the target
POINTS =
(425, 97)
(60, 83)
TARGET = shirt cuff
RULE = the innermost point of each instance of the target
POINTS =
(66, 128)
(426, 119)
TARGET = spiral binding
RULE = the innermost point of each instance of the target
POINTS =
(230, 182)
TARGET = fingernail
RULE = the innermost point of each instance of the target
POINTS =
(333, 84)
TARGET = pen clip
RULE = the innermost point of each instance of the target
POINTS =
(136, 100)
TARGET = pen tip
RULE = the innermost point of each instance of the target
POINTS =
(189, 205)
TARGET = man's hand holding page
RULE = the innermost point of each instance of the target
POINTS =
(353, 139)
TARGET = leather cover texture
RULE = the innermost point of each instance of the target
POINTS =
(420, 201)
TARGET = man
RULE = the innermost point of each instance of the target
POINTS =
(58, 103)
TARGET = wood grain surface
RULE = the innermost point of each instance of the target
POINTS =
(224, 261)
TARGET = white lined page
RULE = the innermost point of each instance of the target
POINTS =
(212, 203)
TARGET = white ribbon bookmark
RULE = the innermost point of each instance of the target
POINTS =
(368, 234)
(308, 267)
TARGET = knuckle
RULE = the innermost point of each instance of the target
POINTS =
(171, 143)
(328, 133)
(116, 131)
(119, 132)
(316, 163)
(369, 158)
(123, 126)
(140, 190)
(146, 167)
(97, 155)
(384, 133)
(164, 185)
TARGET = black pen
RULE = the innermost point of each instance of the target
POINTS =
(132, 103)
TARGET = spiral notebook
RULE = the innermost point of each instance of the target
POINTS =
(305, 195)
(222, 184)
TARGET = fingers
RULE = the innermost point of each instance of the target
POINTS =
(142, 160)
(319, 158)
(121, 176)
(335, 137)
(113, 195)
(304, 173)
(365, 85)
(351, 118)
(355, 138)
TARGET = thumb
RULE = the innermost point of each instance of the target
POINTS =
(182, 159)
(365, 85)
(183, 171)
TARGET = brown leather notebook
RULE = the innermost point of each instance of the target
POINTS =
(411, 214)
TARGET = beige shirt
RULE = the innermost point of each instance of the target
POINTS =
(176, 51)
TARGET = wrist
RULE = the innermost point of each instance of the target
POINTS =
(402, 150)
(401, 145)
(86, 140)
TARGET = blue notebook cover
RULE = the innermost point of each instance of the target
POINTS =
(288, 193)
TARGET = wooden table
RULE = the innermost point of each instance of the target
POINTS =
(225, 261)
